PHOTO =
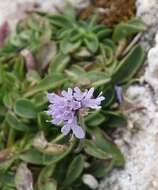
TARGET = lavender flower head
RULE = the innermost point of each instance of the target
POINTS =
(67, 107)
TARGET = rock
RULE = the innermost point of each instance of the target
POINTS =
(151, 74)
(13, 11)
(90, 181)
(147, 11)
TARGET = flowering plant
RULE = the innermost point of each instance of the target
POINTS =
(72, 104)
(48, 54)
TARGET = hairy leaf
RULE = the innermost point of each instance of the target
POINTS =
(75, 169)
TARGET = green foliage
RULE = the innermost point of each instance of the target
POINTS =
(75, 169)
(124, 30)
(73, 34)
(92, 149)
(128, 67)
(25, 108)
(84, 54)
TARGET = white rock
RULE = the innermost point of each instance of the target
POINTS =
(13, 10)
(151, 74)
(147, 10)
(90, 181)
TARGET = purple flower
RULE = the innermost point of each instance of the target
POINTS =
(119, 95)
(66, 108)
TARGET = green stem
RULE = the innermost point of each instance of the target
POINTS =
(11, 137)
(82, 122)
(58, 138)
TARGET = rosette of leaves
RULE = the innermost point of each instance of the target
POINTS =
(33, 153)
(30, 34)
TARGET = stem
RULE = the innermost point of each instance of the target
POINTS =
(11, 137)
(58, 138)
(82, 122)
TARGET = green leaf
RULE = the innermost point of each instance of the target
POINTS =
(70, 13)
(92, 22)
(101, 31)
(69, 47)
(25, 108)
(44, 176)
(60, 21)
(95, 119)
(19, 69)
(16, 41)
(75, 169)
(17, 124)
(111, 44)
(96, 78)
(108, 146)
(99, 27)
(59, 63)
(107, 57)
(101, 35)
(115, 119)
(6, 164)
(75, 73)
(40, 100)
(92, 43)
(48, 83)
(42, 119)
(10, 80)
(124, 30)
(75, 35)
(109, 94)
(100, 168)
(129, 66)
(7, 181)
(93, 150)
(50, 185)
(63, 33)
(8, 100)
(33, 77)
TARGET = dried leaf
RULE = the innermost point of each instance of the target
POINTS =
(4, 155)
(29, 59)
(23, 178)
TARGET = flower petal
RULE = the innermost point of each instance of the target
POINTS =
(119, 95)
(77, 90)
(78, 132)
(56, 121)
(90, 93)
(65, 129)
(78, 95)
(67, 94)
(50, 97)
